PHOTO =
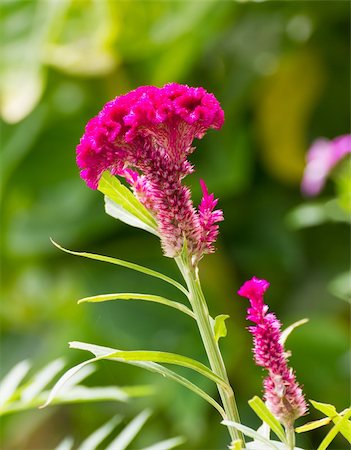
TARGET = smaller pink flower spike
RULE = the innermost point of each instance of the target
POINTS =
(283, 394)
(208, 218)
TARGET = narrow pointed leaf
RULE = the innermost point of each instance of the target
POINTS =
(168, 358)
(168, 444)
(285, 333)
(250, 433)
(88, 394)
(66, 444)
(76, 378)
(11, 381)
(334, 431)
(41, 380)
(102, 352)
(325, 408)
(132, 296)
(313, 425)
(121, 195)
(93, 441)
(126, 264)
(127, 435)
(266, 416)
(345, 428)
(118, 212)
(219, 328)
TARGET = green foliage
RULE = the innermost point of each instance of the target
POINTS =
(266, 416)
(219, 328)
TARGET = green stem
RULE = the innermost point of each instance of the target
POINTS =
(290, 436)
(200, 309)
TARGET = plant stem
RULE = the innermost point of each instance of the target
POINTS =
(290, 437)
(200, 309)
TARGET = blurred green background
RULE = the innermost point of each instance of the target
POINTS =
(281, 72)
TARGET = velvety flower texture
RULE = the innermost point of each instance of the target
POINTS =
(146, 137)
(283, 395)
(322, 157)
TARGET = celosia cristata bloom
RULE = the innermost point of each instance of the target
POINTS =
(146, 136)
(322, 157)
(283, 395)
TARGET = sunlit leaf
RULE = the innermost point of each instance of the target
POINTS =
(126, 264)
(41, 379)
(168, 444)
(342, 423)
(266, 416)
(126, 436)
(93, 441)
(131, 296)
(236, 445)
(11, 381)
(250, 433)
(313, 425)
(219, 328)
(102, 352)
(122, 197)
(325, 408)
(286, 332)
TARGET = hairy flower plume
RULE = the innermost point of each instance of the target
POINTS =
(283, 395)
(146, 136)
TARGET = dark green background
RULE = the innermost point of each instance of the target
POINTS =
(281, 72)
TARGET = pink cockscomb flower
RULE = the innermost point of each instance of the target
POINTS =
(283, 395)
(146, 136)
(322, 157)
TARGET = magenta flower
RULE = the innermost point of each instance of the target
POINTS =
(146, 136)
(322, 157)
(283, 395)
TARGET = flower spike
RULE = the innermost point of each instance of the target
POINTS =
(283, 394)
(146, 136)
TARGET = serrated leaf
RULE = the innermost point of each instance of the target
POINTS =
(118, 212)
(133, 296)
(121, 195)
(126, 264)
(343, 423)
(92, 442)
(168, 444)
(219, 328)
(41, 379)
(250, 433)
(101, 352)
(325, 408)
(313, 425)
(285, 333)
(126, 436)
(266, 416)
(11, 381)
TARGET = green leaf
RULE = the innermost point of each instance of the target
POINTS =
(236, 445)
(131, 296)
(250, 433)
(285, 333)
(219, 328)
(126, 436)
(41, 379)
(118, 212)
(325, 408)
(102, 352)
(313, 425)
(168, 358)
(93, 441)
(343, 424)
(168, 444)
(266, 416)
(66, 444)
(125, 199)
(10, 382)
(126, 264)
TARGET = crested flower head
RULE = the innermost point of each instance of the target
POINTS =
(283, 395)
(322, 157)
(146, 136)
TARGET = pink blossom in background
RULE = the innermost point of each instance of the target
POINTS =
(322, 157)
(146, 136)
(282, 393)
